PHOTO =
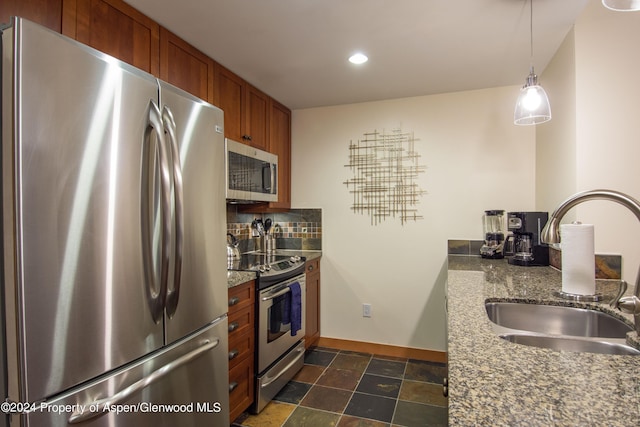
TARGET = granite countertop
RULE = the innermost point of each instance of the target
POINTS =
(499, 383)
(235, 278)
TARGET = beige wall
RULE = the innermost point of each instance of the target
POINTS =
(606, 136)
(474, 155)
(556, 140)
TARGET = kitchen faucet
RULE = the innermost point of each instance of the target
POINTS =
(551, 234)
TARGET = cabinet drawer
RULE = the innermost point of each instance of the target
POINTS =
(240, 388)
(240, 347)
(241, 296)
(240, 321)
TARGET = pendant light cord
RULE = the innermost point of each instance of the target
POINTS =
(531, 34)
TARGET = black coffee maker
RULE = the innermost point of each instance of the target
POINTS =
(523, 246)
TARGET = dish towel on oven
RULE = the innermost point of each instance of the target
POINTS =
(296, 308)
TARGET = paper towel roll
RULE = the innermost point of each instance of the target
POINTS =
(578, 259)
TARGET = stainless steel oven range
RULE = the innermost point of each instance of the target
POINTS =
(280, 324)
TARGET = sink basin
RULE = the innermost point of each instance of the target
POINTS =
(556, 320)
(571, 344)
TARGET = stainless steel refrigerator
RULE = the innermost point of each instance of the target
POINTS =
(113, 258)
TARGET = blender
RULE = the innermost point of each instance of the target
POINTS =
(493, 223)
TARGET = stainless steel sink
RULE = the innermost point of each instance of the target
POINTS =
(560, 328)
(571, 344)
(556, 320)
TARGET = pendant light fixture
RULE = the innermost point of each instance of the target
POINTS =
(532, 106)
(622, 5)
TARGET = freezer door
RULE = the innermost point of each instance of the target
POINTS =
(80, 298)
(186, 385)
(197, 287)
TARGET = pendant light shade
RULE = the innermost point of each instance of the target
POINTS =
(622, 5)
(532, 106)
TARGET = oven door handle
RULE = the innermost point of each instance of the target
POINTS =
(267, 383)
(277, 294)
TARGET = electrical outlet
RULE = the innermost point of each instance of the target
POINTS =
(366, 310)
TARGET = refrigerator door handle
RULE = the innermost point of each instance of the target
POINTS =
(101, 407)
(152, 208)
(173, 294)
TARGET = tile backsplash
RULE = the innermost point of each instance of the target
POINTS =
(299, 229)
(606, 266)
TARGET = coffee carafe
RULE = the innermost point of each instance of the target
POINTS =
(523, 246)
(493, 225)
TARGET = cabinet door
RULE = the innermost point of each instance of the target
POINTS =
(184, 66)
(256, 119)
(228, 95)
(43, 12)
(312, 318)
(280, 144)
(115, 28)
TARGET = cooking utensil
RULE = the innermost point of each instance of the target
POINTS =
(267, 225)
(257, 228)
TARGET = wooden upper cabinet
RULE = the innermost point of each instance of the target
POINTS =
(44, 12)
(115, 28)
(228, 96)
(280, 144)
(256, 123)
(184, 66)
(246, 109)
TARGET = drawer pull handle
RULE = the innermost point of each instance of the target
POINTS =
(232, 386)
(233, 301)
(310, 268)
(233, 326)
(233, 353)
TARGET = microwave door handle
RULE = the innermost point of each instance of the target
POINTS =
(151, 153)
(266, 172)
(173, 294)
(274, 177)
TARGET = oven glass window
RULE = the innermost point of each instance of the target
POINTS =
(278, 317)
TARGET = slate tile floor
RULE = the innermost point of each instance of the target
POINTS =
(349, 389)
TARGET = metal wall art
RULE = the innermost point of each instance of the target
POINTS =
(385, 169)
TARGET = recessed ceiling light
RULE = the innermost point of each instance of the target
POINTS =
(358, 58)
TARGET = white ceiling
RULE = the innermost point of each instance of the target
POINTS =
(296, 50)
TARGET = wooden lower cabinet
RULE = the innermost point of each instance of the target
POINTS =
(241, 347)
(312, 318)
(240, 388)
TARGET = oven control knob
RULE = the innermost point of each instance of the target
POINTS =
(294, 259)
(263, 268)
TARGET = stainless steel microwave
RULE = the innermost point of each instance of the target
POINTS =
(251, 174)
